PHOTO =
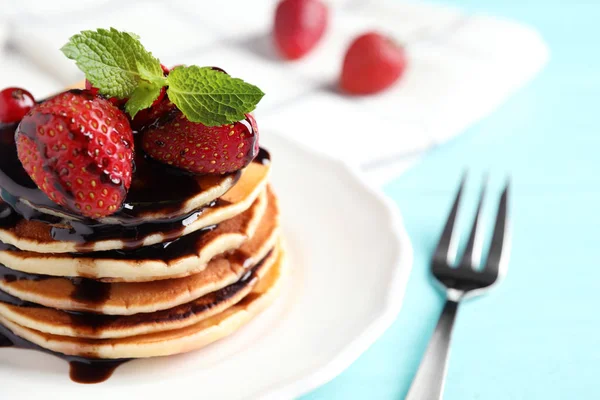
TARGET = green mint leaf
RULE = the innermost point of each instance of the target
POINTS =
(112, 61)
(117, 64)
(211, 97)
(142, 97)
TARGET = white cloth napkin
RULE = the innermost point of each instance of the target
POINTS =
(461, 68)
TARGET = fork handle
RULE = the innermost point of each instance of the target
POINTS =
(428, 383)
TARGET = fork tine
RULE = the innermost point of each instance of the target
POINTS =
(499, 238)
(472, 252)
(446, 246)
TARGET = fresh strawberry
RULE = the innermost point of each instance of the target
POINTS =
(78, 149)
(372, 63)
(299, 25)
(14, 104)
(202, 149)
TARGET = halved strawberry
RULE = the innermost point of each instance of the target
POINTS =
(78, 149)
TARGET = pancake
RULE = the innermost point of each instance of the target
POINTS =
(42, 237)
(87, 325)
(132, 298)
(169, 342)
(182, 257)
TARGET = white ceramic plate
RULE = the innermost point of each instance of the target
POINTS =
(349, 259)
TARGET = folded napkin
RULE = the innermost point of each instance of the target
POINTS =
(461, 67)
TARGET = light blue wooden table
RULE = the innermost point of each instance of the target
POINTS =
(536, 335)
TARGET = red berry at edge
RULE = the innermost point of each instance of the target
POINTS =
(14, 104)
(299, 25)
(372, 63)
(78, 149)
(202, 149)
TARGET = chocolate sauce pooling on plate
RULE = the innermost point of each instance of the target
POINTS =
(82, 369)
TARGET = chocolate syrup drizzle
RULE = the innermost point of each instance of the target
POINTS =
(155, 187)
(87, 290)
(94, 292)
(263, 157)
(172, 250)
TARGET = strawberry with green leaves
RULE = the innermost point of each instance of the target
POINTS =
(78, 146)
(209, 101)
(117, 65)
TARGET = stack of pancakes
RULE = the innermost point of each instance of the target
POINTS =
(187, 261)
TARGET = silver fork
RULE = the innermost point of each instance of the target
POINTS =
(459, 283)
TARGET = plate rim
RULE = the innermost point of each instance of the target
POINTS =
(401, 269)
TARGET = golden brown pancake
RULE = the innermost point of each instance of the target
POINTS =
(166, 342)
(187, 256)
(86, 325)
(144, 297)
(36, 236)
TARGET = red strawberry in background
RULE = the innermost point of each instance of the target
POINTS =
(202, 149)
(372, 63)
(78, 149)
(299, 25)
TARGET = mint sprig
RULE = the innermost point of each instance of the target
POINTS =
(119, 66)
